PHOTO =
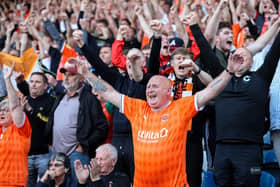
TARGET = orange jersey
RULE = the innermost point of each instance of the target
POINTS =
(159, 140)
(14, 148)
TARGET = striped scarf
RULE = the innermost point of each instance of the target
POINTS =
(181, 88)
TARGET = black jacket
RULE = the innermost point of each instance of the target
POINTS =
(68, 182)
(115, 179)
(92, 127)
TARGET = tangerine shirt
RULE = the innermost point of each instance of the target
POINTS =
(14, 148)
(159, 140)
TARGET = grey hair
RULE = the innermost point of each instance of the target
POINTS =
(110, 148)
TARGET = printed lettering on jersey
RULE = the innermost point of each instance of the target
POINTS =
(152, 136)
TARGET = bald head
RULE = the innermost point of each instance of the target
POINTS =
(158, 92)
(164, 81)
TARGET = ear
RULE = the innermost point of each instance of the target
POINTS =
(169, 91)
(171, 62)
(114, 161)
(66, 170)
(46, 86)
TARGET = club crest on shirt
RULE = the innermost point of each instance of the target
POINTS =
(164, 117)
(247, 78)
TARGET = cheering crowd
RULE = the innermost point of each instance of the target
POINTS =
(131, 93)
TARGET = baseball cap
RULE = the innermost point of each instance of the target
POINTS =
(175, 43)
(70, 66)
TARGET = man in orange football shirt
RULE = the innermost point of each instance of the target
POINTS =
(159, 124)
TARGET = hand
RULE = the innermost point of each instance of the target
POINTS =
(156, 26)
(187, 2)
(20, 78)
(25, 104)
(84, 4)
(190, 19)
(122, 31)
(82, 172)
(10, 72)
(244, 16)
(10, 27)
(234, 62)
(275, 19)
(78, 37)
(82, 67)
(30, 21)
(223, 4)
(94, 170)
(173, 13)
(44, 14)
(49, 174)
(190, 65)
(63, 16)
(138, 10)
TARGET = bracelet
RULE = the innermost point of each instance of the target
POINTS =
(198, 72)
(229, 72)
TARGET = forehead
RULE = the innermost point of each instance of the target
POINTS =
(56, 161)
(102, 154)
(159, 81)
(180, 55)
(225, 30)
(69, 74)
(134, 52)
(36, 77)
(105, 49)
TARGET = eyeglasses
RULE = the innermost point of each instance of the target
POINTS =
(56, 165)
(4, 110)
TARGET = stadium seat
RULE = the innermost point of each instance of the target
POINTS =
(267, 180)
(208, 179)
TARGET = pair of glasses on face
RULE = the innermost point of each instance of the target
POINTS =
(4, 110)
(56, 165)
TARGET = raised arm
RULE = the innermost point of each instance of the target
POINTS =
(100, 87)
(180, 27)
(14, 102)
(218, 84)
(264, 39)
(118, 59)
(93, 58)
(209, 59)
(52, 30)
(271, 60)
(213, 24)
(10, 28)
(154, 59)
(143, 22)
(44, 46)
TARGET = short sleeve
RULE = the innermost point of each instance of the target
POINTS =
(25, 129)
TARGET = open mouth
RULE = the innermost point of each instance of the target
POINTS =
(229, 42)
(181, 67)
(165, 47)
